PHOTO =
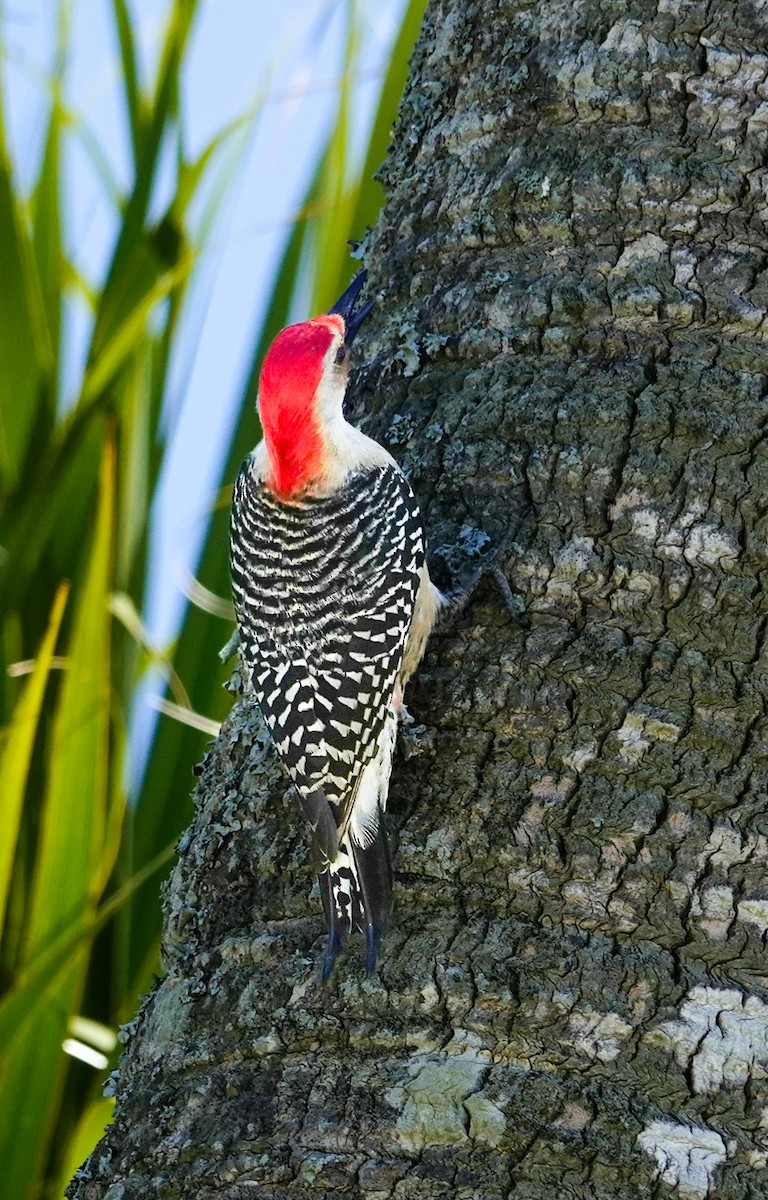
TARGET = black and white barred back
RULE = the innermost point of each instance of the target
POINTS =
(324, 590)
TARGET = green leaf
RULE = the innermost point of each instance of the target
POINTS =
(17, 748)
(69, 850)
(67, 858)
(122, 607)
(47, 232)
(128, 269)
(132, 92)
(36, 986)
(370, 194)
(334, 198)
(131, 328)
(135, 482)
(25, 350)
(88, 1132)
(47, 240)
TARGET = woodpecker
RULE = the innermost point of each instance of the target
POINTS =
(334, 607)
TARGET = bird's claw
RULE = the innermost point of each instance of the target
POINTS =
(458, 601)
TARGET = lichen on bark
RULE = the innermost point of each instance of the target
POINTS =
(568, 357)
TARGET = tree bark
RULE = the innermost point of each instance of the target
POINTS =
(568, 356)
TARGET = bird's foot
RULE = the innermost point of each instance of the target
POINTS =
(416, 740)
(459, 600)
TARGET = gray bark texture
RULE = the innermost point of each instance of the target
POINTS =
(569, 358)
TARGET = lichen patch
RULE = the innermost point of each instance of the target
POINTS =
(648, 249)
(754, 912)
(598, 1035)
(709, 545)
(626, 37)
(639, 730)
(631, 736)
(722, 1036)
(686, 1156)
(729, 846)
(713, 907)
(687, 538)
(575, 564)
(580, 756)
(486, 1120)
(432, 1102)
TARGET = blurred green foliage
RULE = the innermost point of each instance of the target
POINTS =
(79, 867)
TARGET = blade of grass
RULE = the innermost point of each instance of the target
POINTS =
(370, 194)
(80, 741)
(46, 209)
(130, 330)
(134, 481)
(67, 855)
(87, 1133)
(186, 715)
(119, 289)
(39, 979)
(17, 749)
(25, 350)
(132, 93)
(122, 607)
(333, 198)
(47, 245)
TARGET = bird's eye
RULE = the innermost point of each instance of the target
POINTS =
(341, 353)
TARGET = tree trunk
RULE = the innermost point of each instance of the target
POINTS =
(568, 356)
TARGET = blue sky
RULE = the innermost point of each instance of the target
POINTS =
(235, 43)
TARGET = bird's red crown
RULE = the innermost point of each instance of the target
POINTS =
(290, 378)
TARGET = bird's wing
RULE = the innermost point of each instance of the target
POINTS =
(324, 591)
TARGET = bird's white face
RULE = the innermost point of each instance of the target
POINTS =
(329, 397)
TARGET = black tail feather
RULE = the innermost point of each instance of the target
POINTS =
(325, 841)
(334, 923)
(357, 895)
(374, 871)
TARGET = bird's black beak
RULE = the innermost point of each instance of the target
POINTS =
(345, 307)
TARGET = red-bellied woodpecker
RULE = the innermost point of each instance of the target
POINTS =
(334, 607)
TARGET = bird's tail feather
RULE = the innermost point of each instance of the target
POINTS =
(357, 895)
(325, 839)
